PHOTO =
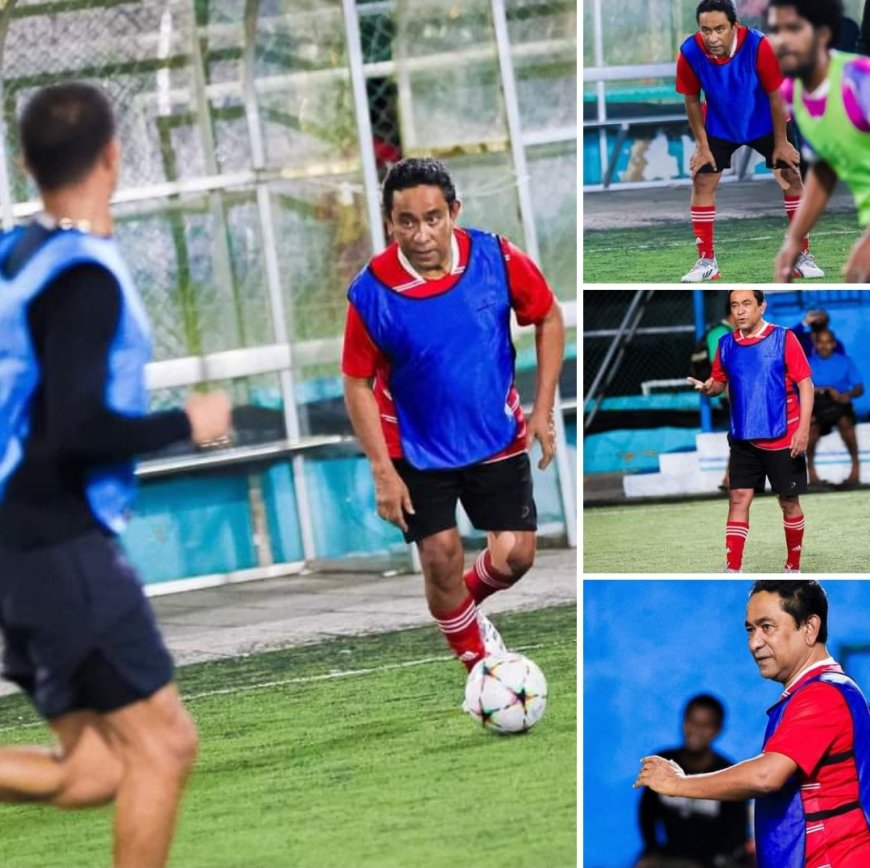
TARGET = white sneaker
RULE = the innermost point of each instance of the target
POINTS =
(788, 569)
(703, 269)
(806, 267)
(729, 570)
(492, 641)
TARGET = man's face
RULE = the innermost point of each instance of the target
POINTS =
(746, 310)
(422, 223)
(777, 644)
(825, 344)
(717, 32)
(793, 40)
(700, 727)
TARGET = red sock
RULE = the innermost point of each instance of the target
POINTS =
(483, 579)
(462, 632)
(735, 540)
(791, 206)
(703, 220)
(794, 541)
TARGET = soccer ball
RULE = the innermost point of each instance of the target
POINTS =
(506, 693)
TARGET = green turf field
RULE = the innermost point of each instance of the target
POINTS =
(689, 536)
(349, 754)
(745, 250)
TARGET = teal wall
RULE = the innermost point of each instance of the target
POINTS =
(187, 526)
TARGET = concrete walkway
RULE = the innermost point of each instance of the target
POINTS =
(277, 613)
(627, 209)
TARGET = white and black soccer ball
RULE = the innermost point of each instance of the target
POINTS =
(506, 693)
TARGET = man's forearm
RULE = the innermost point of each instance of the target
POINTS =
(807, 393)
(780, 119)
(819, 185)
(695, 114)
(550, 350)
(746, 780)
(365, 418)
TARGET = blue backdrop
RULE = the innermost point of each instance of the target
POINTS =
(648, 646)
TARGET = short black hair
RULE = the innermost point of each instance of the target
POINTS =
(725, 6)
(820, 13)
(800, 599)
(759, 295)
(705, 700)
(414, 172)
(63, 130)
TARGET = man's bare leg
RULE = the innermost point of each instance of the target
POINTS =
(156, 741)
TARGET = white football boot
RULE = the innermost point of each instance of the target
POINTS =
(806, 267)
(703, 269)
(492, 641)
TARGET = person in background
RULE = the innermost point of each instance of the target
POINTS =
(701, 833)
(837, 382)
(807, 329)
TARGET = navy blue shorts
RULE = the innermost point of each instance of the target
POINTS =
(78, 630)
(495, 496)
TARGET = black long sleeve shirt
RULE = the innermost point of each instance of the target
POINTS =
(703, 830)
(72, 324)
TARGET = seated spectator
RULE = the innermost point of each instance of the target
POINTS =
(810, 326)
(837, 381)
(693, 833)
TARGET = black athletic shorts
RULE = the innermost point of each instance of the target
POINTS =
(827, 412)
(749, 466)
(78, 630)
(496, 496)
(723, 150)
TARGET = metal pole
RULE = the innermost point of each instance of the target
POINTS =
(273, 275)
(363, 124)
(530, 233)
(7, 218)
(601, 96)
(700, 331)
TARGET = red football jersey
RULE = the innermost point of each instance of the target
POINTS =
(816, 725)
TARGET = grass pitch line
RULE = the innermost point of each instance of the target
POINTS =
(720, 242)
(347, 673)
(309, 679)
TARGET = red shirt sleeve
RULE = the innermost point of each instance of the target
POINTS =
(718, 374)
(767, 65)
(813, 721)
(531, 296)
(687, 82)
(360, 357)
(796, 365)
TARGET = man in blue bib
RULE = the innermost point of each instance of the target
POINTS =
(428, 369)
(837, 381)
(735, 69)
(770, 392)
(79, 636)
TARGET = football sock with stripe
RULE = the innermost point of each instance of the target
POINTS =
(483, 579)
(462, 632)
(794, 541)
(736, 533)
